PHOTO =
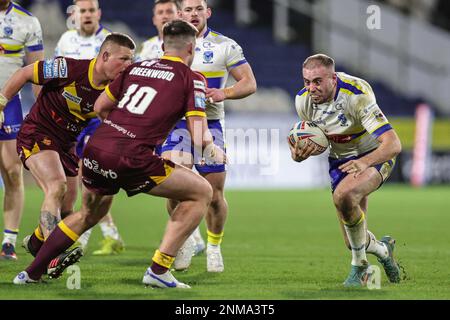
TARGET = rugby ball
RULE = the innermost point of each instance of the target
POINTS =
(306, 130)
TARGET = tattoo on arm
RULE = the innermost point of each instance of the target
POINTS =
(48, 221)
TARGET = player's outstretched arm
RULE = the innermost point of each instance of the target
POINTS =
(390, 146)
(203, 141)
(245, 85)
(32, 57)
(14, 84)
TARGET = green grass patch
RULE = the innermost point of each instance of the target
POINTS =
(278, 245)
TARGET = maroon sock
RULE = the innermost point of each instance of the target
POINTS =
(157, 268)
(35, 244)
(55, 244)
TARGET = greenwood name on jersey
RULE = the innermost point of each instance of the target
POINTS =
(352, 121)
(152, 96)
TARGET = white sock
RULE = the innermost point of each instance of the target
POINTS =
(357, 237)
(10, 237)
(198, 236)
(376, 247)
(109, 230)
(84, 238)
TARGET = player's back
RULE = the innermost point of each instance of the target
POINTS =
(152, 96)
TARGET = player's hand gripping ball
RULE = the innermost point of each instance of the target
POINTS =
(305, 130)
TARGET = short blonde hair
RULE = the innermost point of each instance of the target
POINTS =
(96, 1)
(319, 59)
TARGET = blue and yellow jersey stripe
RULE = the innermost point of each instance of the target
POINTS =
(303, 92)
(348, 87)
(18, 9)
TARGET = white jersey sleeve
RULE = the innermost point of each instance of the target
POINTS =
(151, 49)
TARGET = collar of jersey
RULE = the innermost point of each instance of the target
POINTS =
(171, 58)
(91, 75)
(208, 30)
(9, 8)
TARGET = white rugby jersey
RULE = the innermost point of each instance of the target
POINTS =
(19, 31)
(352, 121)
(151, 49)
(215, 56)
(73, 45)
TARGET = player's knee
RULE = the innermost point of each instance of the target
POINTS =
(13, 179)
(218, 199)
(345, 201)
(206, 193)
(57, 190)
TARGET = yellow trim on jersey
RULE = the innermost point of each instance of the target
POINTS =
(11, 55)
(12, 47)
(18, 11)
(171, 58)
(109, 94)
(347, 91)
(352, 83)
(36, 72)
(67, 231)
(379, 126)
(74, 108)
(160, 179)
(91, 75)
(214, 34)
(214, 74)
(195, 113)
(29, 153)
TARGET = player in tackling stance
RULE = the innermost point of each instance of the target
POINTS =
(139, 109)
(46, 140)
(363, 147)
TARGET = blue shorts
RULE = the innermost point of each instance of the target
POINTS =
(13, 119)
(179, 140)
(84, 136)
(385, 169)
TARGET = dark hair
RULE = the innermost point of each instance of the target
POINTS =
(317, 60)
(180, 2)
(120, 39)
(178, 32)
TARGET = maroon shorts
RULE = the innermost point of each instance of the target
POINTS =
(30, 141)
(105, 173)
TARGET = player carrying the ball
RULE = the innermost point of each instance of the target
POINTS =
(363, 147)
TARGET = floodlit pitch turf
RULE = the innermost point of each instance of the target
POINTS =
(278, 245)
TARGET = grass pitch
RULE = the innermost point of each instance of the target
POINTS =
(278, 245)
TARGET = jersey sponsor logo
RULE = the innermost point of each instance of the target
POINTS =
(200, 100)
(95, 167)
(8, 31)
(55, 68)
(208, 45)
(62, 72)
(379, 116)
(343, 120)
(200, 85)
(71, 97)
(208, 57)
(340, 138)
